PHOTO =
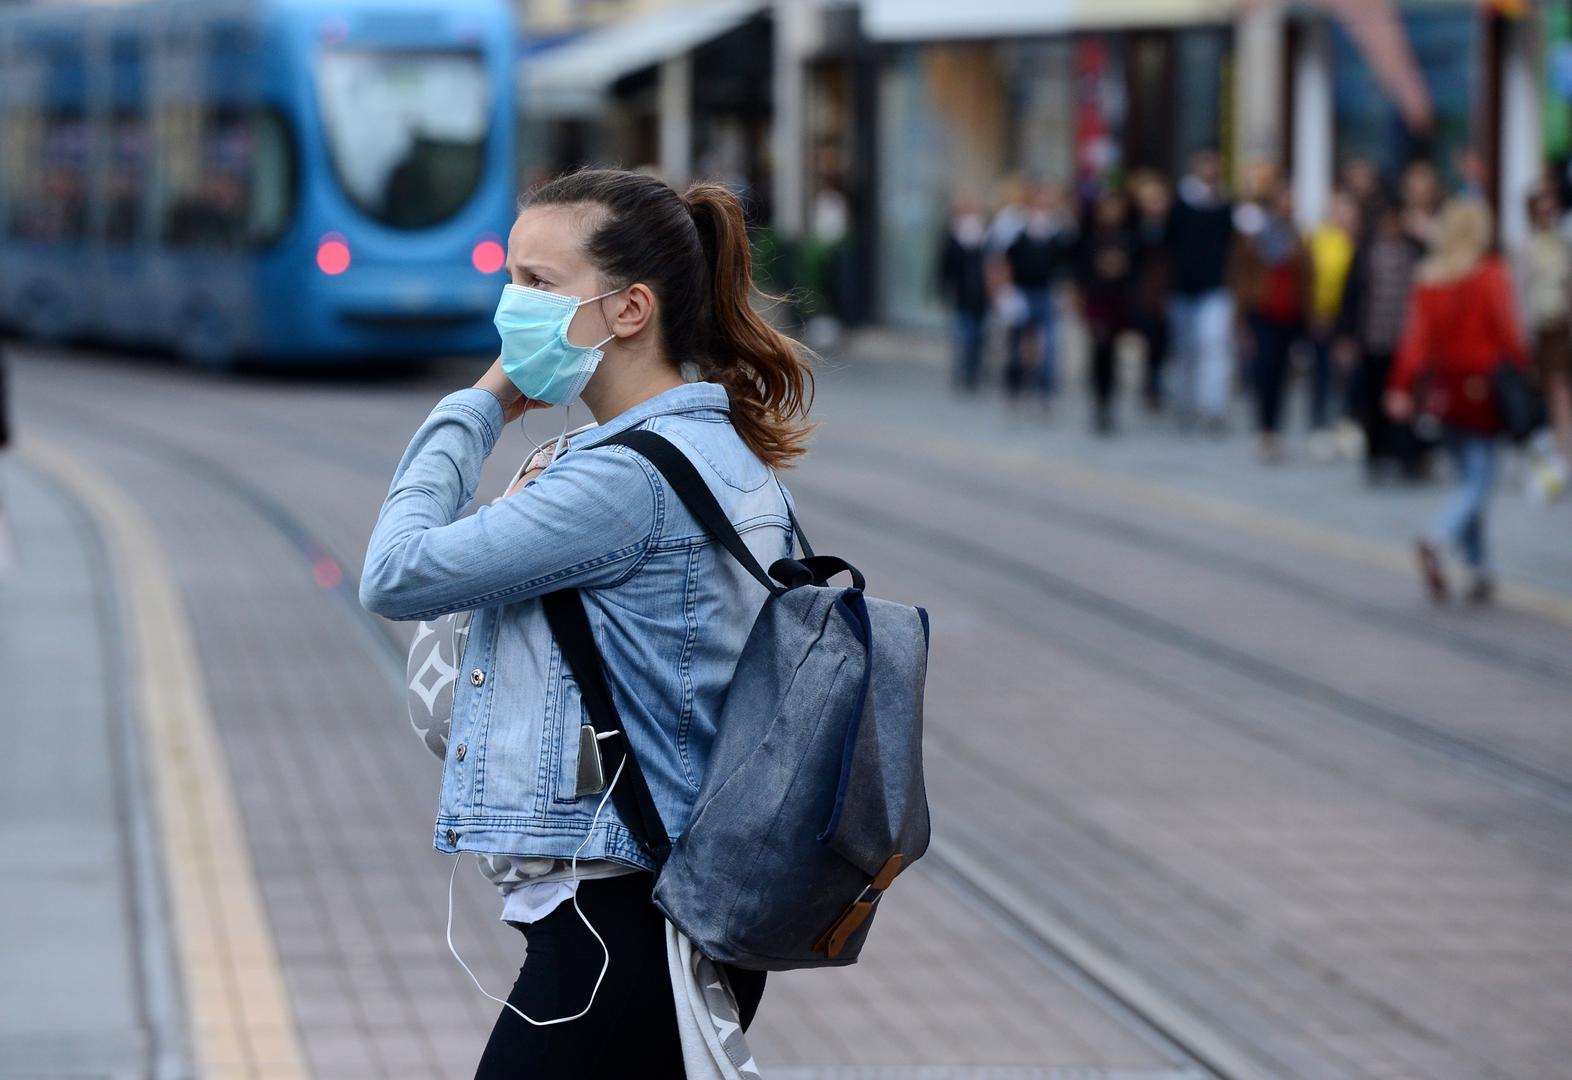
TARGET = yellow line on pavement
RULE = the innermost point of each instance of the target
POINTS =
(1212, 510)
(237, 1008)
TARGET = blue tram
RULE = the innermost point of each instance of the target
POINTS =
(271, 179)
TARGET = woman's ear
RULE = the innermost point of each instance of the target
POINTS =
(630, 312)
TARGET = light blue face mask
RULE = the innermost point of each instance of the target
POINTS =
(536, 352)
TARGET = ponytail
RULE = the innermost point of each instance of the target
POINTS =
(768, 380)
(692, 251)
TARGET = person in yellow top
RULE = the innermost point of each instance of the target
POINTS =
(1331, 247)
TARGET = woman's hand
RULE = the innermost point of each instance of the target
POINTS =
(514, 403)
(1399, 405)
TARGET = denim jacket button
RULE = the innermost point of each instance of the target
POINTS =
(477, 677)
(452, 838)
(458, 752)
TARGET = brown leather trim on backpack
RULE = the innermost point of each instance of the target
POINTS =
(834, 939)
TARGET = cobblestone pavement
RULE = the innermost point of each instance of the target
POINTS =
(1208, 777)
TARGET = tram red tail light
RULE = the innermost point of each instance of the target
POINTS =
(488, 256)
(332, 254)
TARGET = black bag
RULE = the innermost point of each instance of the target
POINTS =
(1519, 405)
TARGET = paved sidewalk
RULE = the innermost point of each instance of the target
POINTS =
(82, 991)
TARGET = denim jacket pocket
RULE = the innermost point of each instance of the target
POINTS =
(563, 735)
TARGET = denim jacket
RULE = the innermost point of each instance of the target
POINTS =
(669, 608)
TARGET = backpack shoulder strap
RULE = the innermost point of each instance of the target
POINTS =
(696, 495)
(571, 627)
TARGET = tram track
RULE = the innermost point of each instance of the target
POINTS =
(1548, 787)
(1102, 525)
(1477, 758)
(913, 531)
(1193, 1051)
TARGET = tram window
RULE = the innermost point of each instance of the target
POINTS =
(273, 178)
(229, 177)
(126, 178)
(46, 175)
(11, 172)
(406, 131)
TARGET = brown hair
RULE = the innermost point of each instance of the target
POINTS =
(692, 251)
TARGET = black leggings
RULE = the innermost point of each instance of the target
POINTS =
(1273, 343)
(632, 1029)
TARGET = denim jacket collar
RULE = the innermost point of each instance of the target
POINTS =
(689, 397)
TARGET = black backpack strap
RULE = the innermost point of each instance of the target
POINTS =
(570, 625)
(802, 537)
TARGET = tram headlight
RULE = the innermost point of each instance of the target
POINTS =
(488, 256)
(332, 254)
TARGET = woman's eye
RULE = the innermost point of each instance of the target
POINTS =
(535, 281)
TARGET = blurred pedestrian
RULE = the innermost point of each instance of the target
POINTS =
(1105, 268)
(7, 548)
(1331, 247)
(1361, 180)
(1200, 233)
(963, 281)
(1369, 327)
(1468, 165)
(1545, 276)
(5, 402)
(1461, 327)
(1152, 279)
(1009, 217)
(1421, 195)
(1038, 258)
(1272, 285)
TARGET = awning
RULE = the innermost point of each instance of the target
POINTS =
(572, 79)
(928, 20)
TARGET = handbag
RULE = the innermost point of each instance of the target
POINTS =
(1519, 405)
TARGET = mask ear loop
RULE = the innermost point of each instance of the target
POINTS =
(606, 952)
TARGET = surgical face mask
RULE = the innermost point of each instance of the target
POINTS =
(536, 353)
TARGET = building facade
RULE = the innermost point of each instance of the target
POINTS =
(850, 125)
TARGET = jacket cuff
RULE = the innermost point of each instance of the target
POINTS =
(482, 405)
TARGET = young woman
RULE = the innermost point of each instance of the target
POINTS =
(622, 290)
(1461, 325)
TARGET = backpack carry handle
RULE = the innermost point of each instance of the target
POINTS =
(814, 570)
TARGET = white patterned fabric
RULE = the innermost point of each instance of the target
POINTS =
(714, 1046)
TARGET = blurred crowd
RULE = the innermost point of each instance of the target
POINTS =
(1223, 291)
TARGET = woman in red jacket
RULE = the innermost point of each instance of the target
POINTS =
(1460, 327)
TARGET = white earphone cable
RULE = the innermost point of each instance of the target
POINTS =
(605, 963)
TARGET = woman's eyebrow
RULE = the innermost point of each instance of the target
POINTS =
(539, 269)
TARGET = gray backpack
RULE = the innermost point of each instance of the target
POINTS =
(813, 800)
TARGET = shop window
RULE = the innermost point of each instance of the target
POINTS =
(125, 179)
